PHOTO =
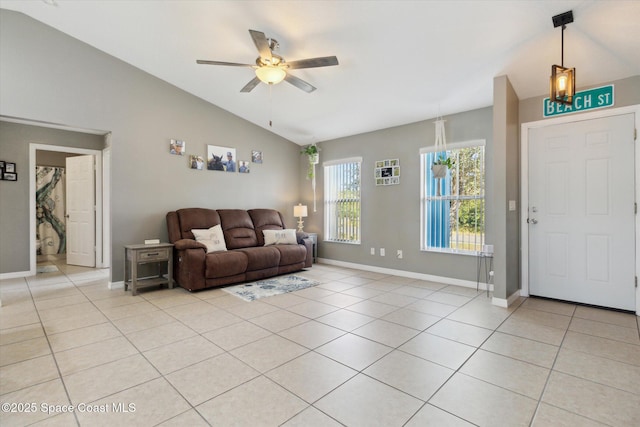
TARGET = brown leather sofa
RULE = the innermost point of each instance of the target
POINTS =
(246, 258)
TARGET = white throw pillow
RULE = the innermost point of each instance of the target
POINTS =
(280, 237)
(213, 238)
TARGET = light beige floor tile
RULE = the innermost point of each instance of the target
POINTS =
(461, 332)
(345, 320)
(25, 374)
(312, 334)
(340, 300)
(512, 374)
(556, 307)
(129, 310)
(354, 351)
(104, 380)
(189, 351)
(412, 375)
(73, 321)
(603, 347)
(160, 335)
(534, 352)
(336, 286)
(448, 298)
(186, 311)
(480, 312)
(356, 280)
(411, 318)
(312, 309)
(474, 401)
(413, 291)
(533, 331)
(311, 376)
(154, 402)
(210, 321)
(311, 417)
(51, 393)
(173, 300)
(542, 318)
(235, 408)
(600, 370)
(83, 336)
(236, 335)
(605, 330)
(548, 415)
(395, 299)
(363, 292)
(313, 293)
(212, 377)
(268, 353)
(63, 419)
(143, 321)
(23, 350)
(20, 333)
(387, 333)
(594, 401)
(627, 320)
(55, 313)
(461, 290)
(117, 301)
(438, 350)
(60, 302)
(363, 401)
(190, 418)
(279, 320)
(433, 308)
(430, 416)
(249, 311)
(427, 284)
(372, 308)
(80, 358)
(285, 300)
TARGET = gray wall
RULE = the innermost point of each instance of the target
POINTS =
(51, 77)
(391, 214)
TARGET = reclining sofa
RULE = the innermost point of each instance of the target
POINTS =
(246, 257)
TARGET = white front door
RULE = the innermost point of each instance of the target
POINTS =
(81, 228)
(581, 212)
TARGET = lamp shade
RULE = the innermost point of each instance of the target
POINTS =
(300, 211)
(270, 74)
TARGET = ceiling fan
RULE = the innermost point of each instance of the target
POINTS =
(271, 68)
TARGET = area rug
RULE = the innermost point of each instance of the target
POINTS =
(46, 269)
(270, 287)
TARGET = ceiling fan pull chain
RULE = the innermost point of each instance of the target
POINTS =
(270, 106)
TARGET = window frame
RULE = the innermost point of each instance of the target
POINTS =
(424, 247)
(327, 235)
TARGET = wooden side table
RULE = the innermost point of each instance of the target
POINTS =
(135, 255)
(314, 239)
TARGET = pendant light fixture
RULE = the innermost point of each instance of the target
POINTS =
(563, 80)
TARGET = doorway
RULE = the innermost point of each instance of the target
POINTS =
(578, 221)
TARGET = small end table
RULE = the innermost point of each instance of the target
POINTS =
(135, 255)
(314, 251)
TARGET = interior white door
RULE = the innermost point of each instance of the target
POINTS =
(81, 216)
(581, 212)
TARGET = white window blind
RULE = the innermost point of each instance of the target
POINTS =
(342, 200)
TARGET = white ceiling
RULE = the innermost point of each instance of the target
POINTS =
(400, 61)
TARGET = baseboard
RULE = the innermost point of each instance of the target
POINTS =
(116, 285)
(505, 303)
(16, 275)
(408, 274)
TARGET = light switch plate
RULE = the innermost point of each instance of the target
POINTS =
(512, 205)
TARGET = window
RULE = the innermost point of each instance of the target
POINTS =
(452, 207)
(342, 200)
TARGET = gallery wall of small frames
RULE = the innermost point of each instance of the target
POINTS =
(216, 158)
(8, 171)
(387, 172)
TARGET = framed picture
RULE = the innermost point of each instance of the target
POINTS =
(177, 147)
(196, 162)
(2, 164)
(256, 156)
(243, 166)
(221, 158)
(10, 176)
(387, 172)
(10, 167)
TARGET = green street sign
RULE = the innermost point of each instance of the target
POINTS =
(591, 99)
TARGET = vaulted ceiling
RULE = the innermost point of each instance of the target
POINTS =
(399, 61)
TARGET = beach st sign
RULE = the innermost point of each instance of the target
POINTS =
(591, 99)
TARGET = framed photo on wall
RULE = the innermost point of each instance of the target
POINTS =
(10, 167)
(221, 158)
(177, 147)
(256, 156)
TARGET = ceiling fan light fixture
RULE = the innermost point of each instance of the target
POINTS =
(270, 75)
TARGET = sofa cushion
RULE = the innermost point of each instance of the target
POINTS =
(280, 237)
(212, 238)
(261, 257)
(238, 228)
(223, 264)
(266, 219)
(291, 254)
(196, 218)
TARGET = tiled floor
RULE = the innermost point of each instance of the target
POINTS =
(360, 349)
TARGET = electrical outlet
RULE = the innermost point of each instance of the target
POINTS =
(381, 251)
(399, 254)
(373, 251)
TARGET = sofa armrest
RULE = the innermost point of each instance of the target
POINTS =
(183, 244)
(300, 236)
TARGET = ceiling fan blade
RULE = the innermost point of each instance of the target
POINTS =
(299, 83)
(232, 64)
(252, 84)
(325, 61)
(261, 42)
